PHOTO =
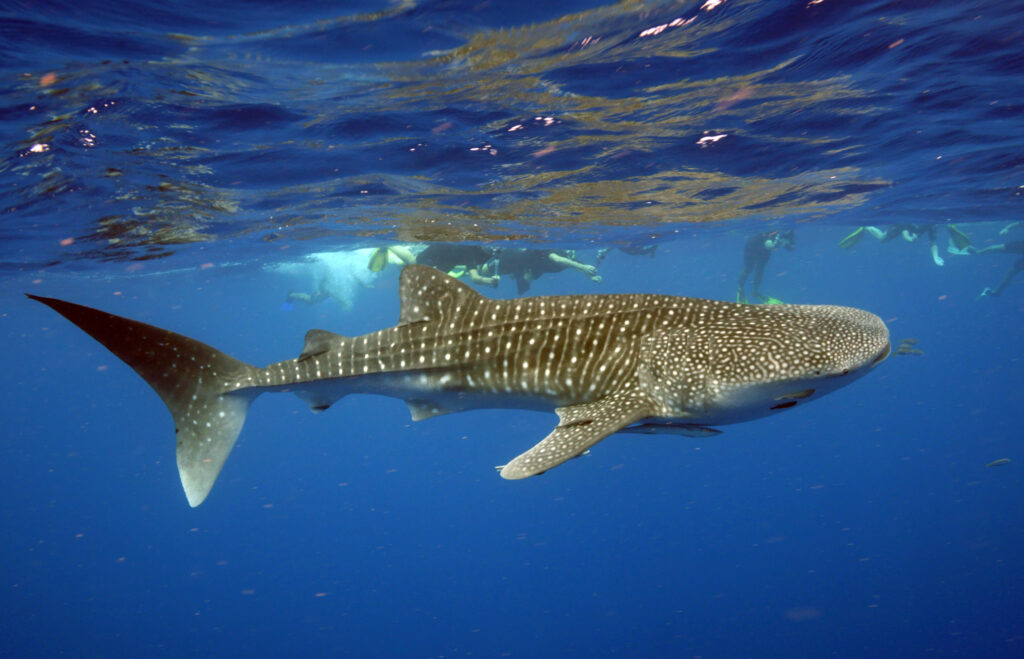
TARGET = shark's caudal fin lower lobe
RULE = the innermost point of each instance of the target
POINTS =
(192, 379)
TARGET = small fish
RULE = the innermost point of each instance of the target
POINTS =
(909, 341)
(908, 351)
(999, 463)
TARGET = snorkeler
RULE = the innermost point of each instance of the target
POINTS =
(316, 297)
(456, 260)
(911, 233)
(337, 275)
(756, 253)
(633, 249)
(1009, 247)
(526, 265)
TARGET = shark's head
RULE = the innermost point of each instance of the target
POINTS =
(762, 359)
(800, 353)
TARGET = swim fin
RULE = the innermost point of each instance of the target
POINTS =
(959, 239)
(852, 239)
(378, 260)
(768, 299)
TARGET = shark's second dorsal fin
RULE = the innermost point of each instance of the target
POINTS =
(318, 342)
(427, 294)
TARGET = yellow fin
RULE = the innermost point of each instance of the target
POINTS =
(378, 260)
(959, 239)
(852, 239)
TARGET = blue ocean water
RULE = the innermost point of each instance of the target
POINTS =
(191, 165)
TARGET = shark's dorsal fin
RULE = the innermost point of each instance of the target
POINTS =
(579, 428)
(318, 342)
(427, 294)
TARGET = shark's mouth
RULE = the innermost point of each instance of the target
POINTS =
(882, 355)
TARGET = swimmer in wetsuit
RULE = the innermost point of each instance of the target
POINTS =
(756, 253)
(911, 233)
(1009, 247)
(456, 260)
(525, 265)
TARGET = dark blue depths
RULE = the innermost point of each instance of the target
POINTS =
(864, 524)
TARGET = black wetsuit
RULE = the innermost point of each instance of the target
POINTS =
(1011, 247)
(447, 256)
(755, 258)
(896, 231)
(1014, 246)
(525, 265)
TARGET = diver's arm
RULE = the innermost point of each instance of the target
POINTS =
(480, 280)
(588, 270)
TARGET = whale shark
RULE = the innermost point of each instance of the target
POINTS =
(605, 364)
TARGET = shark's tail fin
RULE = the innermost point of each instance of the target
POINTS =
(204, 389)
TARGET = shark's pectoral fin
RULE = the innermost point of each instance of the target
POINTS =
(579, 428)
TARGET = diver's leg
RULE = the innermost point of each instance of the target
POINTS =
(741, 294)
(758, 276)
(1017, 267)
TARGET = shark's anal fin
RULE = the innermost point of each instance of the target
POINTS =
(198, 383)
(579, 428)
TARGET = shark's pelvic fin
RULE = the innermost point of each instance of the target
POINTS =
(426, 409)
(192, 379)
(579, 428)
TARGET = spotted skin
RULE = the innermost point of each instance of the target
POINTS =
(602, 362)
